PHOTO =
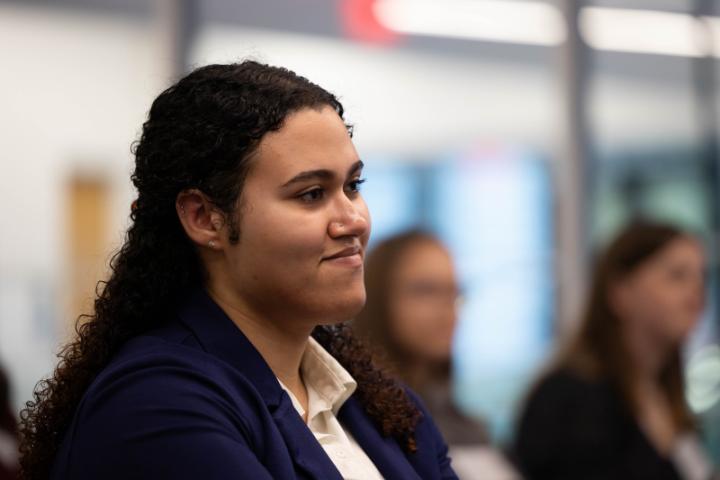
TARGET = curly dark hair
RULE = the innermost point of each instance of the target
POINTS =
(200, 134)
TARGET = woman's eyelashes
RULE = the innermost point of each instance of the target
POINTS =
(317, 194)
(354, 185)
(312, 195)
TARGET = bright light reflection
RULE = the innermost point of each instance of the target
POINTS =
(642, 31)
(539, 23)
(531, 23)
(703, 379)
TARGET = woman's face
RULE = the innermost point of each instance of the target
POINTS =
(664, 297)
(303, 224)
(423, 302)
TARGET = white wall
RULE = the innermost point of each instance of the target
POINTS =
(74, 91)
(404, 102)
(422, 103)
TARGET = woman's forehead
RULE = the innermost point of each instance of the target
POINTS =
(308, 140)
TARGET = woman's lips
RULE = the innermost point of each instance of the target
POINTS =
(354, 260)
(350, 257)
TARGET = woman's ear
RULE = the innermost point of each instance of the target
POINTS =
(202, 221)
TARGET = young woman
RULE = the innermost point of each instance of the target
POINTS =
(612, 407)
(217, 349)
(410, 318)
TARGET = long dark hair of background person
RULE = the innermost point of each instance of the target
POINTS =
(377, 323)
(597, 351)
(585, 416)
(201, 133)
(375, 320)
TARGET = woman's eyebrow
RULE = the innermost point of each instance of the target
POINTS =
(355, 168)
(322, 174)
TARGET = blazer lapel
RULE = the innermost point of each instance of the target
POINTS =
(219, 336)
(304, 449)
(385, 453)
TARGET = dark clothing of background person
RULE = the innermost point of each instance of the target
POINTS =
(573, 428)
(8, 433)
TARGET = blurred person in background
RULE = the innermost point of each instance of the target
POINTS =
(612, 405)
(409, 320)
(217, 348)
(8, 432)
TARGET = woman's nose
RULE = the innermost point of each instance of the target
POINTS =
(350, 221)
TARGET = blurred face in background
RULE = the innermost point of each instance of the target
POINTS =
(423, 302)
(664, 297)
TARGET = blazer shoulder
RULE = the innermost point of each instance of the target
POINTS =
(152, 379)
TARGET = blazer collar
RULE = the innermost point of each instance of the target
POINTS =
(385, 452)
(219, 336)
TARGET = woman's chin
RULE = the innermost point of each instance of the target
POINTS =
(344, 309)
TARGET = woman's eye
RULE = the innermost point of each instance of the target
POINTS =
(312, 195)
(354, 186)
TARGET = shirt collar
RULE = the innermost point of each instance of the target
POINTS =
(328, 384)
(218, 335)
(324, 374)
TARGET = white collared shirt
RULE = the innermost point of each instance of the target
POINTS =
(328, 386)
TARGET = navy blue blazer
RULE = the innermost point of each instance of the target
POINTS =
(195, 400)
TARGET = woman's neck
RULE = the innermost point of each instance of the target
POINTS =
(281, 344)
(653, 411)
(647, 355)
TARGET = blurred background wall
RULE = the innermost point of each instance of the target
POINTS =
(523, 133)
